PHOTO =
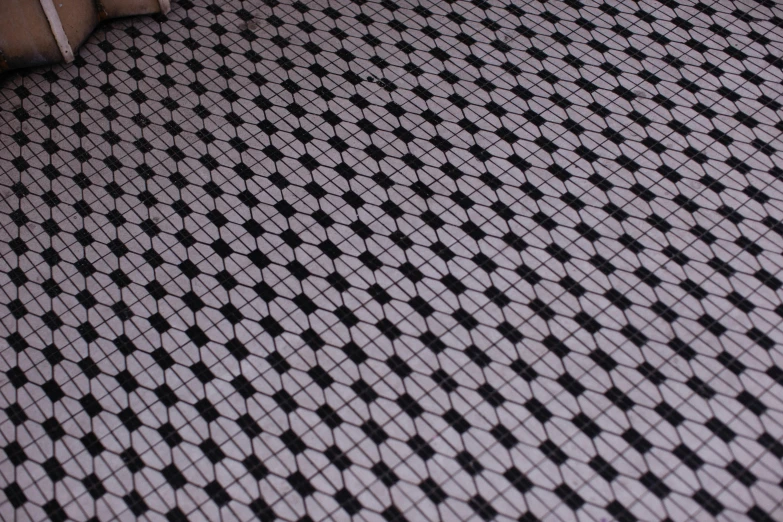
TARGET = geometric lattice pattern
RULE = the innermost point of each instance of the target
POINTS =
(397, 260)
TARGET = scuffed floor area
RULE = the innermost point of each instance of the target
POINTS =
(397, 260)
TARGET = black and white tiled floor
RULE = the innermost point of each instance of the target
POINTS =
(397, 260)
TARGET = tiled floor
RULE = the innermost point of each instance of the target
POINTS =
(397, 260)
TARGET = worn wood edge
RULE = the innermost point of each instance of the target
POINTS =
(165, 6)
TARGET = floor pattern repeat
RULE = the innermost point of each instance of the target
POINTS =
(397, 260)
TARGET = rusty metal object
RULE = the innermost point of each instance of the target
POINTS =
(102, 14)
(36, 32)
